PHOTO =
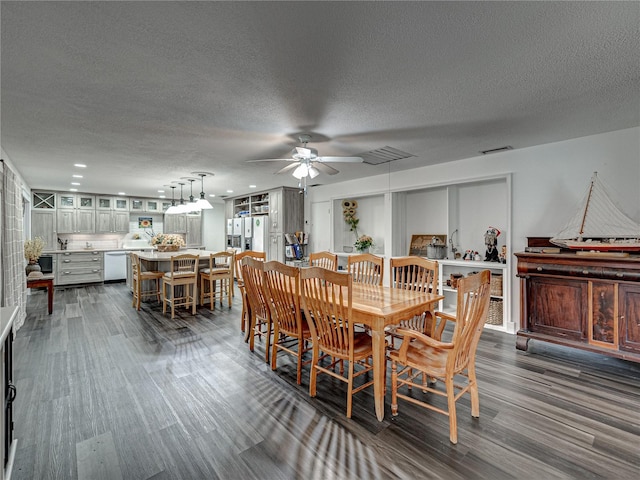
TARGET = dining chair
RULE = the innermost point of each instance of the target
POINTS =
(327, 303)
(184, 274)
(366, 268)
(415, 274)
(257, 300)
(290, 328)
(245, 317)
(325, 259)
(138, 277)
(420, 354)
(220, 270)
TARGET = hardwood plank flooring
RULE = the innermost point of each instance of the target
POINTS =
(105, 391)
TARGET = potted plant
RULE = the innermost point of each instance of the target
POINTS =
(32, 251)
(363, 243)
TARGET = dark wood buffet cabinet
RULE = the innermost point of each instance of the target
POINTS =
(582, 301)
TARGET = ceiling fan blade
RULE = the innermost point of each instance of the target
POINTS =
(273, 160)
(324, 168)
(341, 159)
(287, 168)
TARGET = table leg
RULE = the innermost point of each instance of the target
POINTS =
(50, 297)
(379, 370)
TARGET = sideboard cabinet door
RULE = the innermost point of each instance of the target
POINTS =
(558, 307)
(629, 309)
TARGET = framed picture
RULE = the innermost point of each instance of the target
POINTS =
(419, 243)
(145, 222)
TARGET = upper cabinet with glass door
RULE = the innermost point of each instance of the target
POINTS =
(152, 206)
(80, 201)
(137, 205)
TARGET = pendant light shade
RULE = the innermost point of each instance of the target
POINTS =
(192, 206)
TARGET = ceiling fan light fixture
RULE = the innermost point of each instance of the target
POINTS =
(313, 172)
(301, 171)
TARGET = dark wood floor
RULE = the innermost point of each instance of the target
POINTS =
(105, 392)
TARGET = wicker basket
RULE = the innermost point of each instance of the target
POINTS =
(168, 248)
(496, 285)
(495, 312)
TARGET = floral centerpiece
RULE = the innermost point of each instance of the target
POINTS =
(363, 243)
(167, 242)
(32, 251)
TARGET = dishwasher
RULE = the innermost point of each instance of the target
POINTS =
(115, 265)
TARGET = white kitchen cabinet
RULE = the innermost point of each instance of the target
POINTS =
(75, 221)
(80, 267)
(112, 221)
(136, 205)
(175, 223)
(152, 206)
(43, 225)
(194, 231)
(76, 201)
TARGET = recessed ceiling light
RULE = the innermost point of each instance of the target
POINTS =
(163, 196)
(73, 189)
(80, 165)
(121, 193)
(75, 183)
(229, 191)
(212, 194)
(252, 186)
(76, 176)
(160, 191)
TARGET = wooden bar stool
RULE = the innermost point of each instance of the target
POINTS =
(183, 273)
(220, 270)
(138, 277)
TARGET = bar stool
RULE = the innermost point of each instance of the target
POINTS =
(183, 273)
(138, 277)
(220, 270)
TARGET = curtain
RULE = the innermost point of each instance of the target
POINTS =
(14, 285)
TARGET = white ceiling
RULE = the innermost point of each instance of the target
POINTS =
(145, 93)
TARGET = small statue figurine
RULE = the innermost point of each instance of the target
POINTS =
(503, 254)
(491, 241)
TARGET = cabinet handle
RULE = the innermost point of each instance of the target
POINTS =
(12, 392)
(539, 269)
(95, 271)
(66, 261)
(619, 275)
(585, 272)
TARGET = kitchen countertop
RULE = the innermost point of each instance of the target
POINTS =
(85, 250)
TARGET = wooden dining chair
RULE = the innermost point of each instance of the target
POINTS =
(420, 354)
(327, 303)
(366, 268)
(290, 328)
(220, 270)
(415, 274)
(138, 276)
(257, 299)
(325, 259)
(184, 274)
(245, 317)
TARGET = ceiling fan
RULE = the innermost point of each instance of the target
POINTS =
(305, 161)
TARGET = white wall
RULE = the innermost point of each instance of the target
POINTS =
(214, 227)
(548, 181)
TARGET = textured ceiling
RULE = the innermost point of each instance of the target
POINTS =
(145, 93)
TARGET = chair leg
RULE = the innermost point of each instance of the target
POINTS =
(274, 348)
(451, 402)
(229, 291)
(394, 388)
(350, 389)
(473, 392)
(314, 372)
(300, 349)
(164, 297)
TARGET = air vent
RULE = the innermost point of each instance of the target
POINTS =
(496, 150)
(384, 155)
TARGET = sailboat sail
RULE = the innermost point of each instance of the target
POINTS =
(599, 224)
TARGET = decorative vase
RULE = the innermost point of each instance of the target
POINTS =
(33, 266)
(363, 250)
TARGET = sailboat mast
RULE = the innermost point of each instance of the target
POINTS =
(586, 206)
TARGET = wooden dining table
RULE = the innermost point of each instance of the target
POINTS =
(378, 307)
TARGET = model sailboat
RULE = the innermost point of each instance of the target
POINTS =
(599, 225)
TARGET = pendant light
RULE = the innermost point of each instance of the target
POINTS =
(192, 206)
(202, 203)
(173, 208)
(182, 207)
